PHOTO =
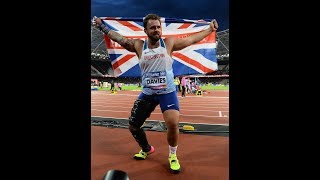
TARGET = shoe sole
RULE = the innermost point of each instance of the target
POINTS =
(138, 158)
(176, 171)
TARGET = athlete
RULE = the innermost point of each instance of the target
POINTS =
(155, 61)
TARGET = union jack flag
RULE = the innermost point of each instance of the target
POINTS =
(199, 58)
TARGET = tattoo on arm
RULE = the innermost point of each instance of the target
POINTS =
(123, 41)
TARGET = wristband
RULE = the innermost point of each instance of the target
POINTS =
(104, 28)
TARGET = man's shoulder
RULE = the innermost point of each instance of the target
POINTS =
(139, 42)
(167, 39)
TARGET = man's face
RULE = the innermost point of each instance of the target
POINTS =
(153, 30)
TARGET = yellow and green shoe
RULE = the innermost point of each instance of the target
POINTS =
(174, 163)
(143, 155)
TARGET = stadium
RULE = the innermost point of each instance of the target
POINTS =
(203, 124)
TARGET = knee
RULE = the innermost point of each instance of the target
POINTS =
(132, 128)
(140, 111)
(172, 124)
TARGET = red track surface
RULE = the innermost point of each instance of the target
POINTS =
(201, 157)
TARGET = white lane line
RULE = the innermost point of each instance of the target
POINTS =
(181, 105)
(154, 113)
(158, 108)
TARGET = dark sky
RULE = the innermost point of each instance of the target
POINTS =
(186, 9)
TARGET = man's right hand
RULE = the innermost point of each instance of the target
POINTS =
(96, 21)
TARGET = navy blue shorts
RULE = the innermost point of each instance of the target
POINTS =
(166, 101)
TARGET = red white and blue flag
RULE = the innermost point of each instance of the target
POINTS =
(199, 58)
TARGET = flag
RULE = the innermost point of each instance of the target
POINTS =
(198, 58)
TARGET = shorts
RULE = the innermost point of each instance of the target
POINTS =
(166, 101)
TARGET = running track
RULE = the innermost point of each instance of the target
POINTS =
(210, 108)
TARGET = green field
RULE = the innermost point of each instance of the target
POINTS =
(133, 87)
(211, 87)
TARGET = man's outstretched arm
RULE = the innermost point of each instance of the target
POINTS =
(180, 43)
(128, 44)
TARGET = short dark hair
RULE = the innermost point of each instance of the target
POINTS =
(150, 16)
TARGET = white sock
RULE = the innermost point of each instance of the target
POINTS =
(172, 150)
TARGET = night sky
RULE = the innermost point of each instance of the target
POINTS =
(185, 9)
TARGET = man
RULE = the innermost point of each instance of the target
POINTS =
(183, 85)
(112, 86)
(177, 83)
(155, 61)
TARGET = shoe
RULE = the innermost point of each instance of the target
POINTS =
(143, 155)
(174, 163)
